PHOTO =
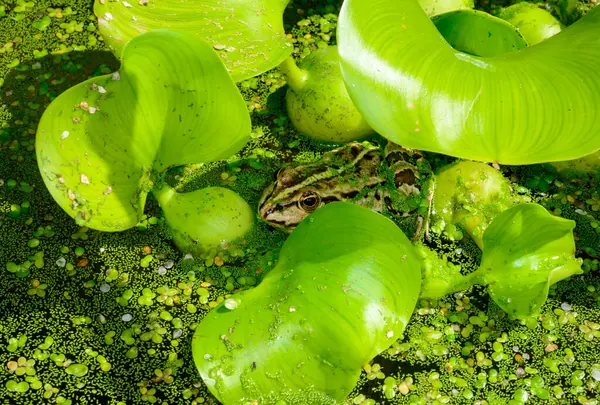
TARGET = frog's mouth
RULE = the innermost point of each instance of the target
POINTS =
(269, 212)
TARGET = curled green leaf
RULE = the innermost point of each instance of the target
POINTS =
(102, 144)
(248, 34)
(343, 290)
(526, 250)
(478, 33)
(537, 105)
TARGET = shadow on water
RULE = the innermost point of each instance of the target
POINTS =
(26, 92)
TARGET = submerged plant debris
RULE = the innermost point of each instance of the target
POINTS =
(107, 318)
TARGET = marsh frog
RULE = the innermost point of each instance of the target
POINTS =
(359, 172)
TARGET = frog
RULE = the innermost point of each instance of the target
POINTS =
(385, 179)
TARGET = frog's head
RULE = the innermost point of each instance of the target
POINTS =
(340, 175)
(288, 200)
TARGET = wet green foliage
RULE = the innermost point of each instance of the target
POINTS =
(97, 318)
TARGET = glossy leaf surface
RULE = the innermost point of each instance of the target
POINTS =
(478, 33)
(206, 219)
(534, 23)
(468, 195)
(526, 250)
(248, 34)
(436, 7)
(343, 290)
(101, 143)
(536, 105)
(317, 101)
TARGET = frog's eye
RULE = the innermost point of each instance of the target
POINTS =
(310, 201)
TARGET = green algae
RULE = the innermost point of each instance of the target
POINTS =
(459, 349)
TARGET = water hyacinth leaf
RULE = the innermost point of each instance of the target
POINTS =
(589, 164)
(248, 34)
(436, 7)
(343, 290)
(101, 144)
(479, 33)
(536, 105)
(526, 250)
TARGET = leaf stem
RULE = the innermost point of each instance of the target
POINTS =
(163, 193)
(296, 78)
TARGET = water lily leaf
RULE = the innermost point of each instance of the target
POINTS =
(248, 34)
(525, 251)
(343, 290)
(101, 143)
(536, 105)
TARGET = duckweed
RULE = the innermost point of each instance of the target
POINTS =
(73, 346)
(77, 370)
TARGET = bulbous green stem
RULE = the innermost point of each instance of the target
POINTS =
(296, 78)
(457, 284)
(474, 231)
(440, 278)
(163, 193)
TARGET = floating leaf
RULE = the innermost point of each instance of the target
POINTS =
(102, 144)
(526, 250)
(344, 288)
(248, 34)
(536, 105)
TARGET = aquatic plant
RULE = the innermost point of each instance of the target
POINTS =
(248, 35)
(296, 337)
(478, 33)
(104, 144)
(343, 290)
(534, 23)
(131, 344)
(525, 251)
(512, 108)
(317, 101)
(467, 196)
